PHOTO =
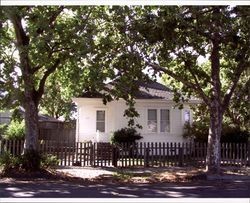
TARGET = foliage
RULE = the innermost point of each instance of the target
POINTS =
(172, 40)
(125, 135)
(8, 161)
(17, 115)
(198, 131)
(15, 130)
(56, 101)
(49, 161)
(234, 135)
(32, 161)
(3, 128)
(37, 42)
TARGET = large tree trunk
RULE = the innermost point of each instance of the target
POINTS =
(31, 123)
(30, 100)
(213, 151)
(216, 113)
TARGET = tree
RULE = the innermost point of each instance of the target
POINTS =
(56, 101)
(237, 114)
(171, 39)
(35, 43)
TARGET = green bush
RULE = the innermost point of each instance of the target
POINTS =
(15, 131)
(199, 132)
(234, 134)
(8, 161)
(125, 135)
(29, 161)
(49, 161)
(3, 128)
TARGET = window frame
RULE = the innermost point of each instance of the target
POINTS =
(158, 123)
(150, 109)
(168, 120)
(105, 120)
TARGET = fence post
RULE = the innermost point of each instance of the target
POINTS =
(181, 155)
(114, 156)
(146, 157)
(1, 146)
(248, 152)
(91, 154)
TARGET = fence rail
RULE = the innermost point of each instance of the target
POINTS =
(141, 154)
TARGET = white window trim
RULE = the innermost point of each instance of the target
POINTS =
(160, 121)
(106, 117)
(183, 115)
(158, 110)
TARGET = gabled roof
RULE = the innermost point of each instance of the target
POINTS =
(150, 90)
(153, 90)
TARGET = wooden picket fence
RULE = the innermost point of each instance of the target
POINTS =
(141, 154)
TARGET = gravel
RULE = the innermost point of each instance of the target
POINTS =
(86, 172)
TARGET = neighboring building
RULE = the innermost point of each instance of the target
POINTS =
(5, 117)
(49, 128)
(160, 121)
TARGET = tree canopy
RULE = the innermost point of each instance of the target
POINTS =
(170, 40)
(52, 49)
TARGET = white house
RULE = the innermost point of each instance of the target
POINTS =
(160, 120)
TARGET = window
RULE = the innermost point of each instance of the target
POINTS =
(165, 120)
(187, 116)
(152, 120)
(100, 121)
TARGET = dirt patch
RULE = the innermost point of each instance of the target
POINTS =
(149, 175)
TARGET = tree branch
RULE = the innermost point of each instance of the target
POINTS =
(241, 67)
(197, 84)
(52, 19)
(49, 71)
(182, 80)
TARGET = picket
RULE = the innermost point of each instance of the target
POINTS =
(147, 154)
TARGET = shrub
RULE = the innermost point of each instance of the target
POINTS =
(125, 135)
(8, 161)
(234, 134)
(199, 132)
(3, 128)
(49, 161)
(15, 131)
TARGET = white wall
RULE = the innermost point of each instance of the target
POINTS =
(114, 120)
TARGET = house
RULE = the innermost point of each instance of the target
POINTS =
(161, 121)
(5, 117)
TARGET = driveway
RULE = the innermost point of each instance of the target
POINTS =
(64, 189)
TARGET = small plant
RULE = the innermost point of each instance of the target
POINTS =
(49, 161)
(8, 161)
(125, 135)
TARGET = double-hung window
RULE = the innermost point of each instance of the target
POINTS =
(165, 120)
(100, 120)
(161, 115)
(152, 120)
